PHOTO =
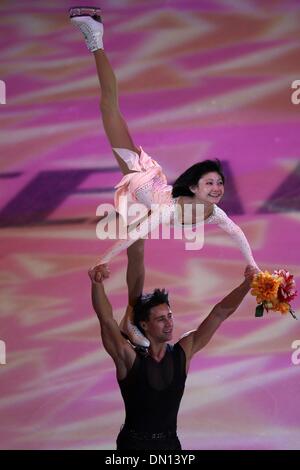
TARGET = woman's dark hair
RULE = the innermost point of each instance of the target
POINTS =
(145, 302)
(191, 176)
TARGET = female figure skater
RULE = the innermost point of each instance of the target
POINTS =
(143, 179)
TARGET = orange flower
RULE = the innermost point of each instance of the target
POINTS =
(281, 307)
(265, 287)
(273, 292)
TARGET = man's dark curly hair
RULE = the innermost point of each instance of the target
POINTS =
(145, 302)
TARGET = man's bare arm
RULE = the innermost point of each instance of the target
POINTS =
(196, 340)
(113, 341)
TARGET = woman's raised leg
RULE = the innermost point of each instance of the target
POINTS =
(88, 20)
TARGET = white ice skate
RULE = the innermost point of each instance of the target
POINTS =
(134, 334)
(89, 21)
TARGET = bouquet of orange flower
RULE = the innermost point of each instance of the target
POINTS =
(274, 292)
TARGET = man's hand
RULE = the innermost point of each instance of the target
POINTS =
(250, 272)
(99, 273)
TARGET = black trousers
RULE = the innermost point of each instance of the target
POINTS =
(125, 441)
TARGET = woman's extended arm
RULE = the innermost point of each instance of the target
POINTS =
(225, 223)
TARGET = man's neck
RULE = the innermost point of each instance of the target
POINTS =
(157, 350)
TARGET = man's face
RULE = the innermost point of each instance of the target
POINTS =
(160, 323)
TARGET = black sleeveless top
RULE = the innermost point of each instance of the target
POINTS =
(152, 391)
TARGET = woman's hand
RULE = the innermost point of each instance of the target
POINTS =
(250, 272)
(99, 272)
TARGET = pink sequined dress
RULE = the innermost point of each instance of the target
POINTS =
(147, 184)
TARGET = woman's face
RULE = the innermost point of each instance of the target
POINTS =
(210, 188)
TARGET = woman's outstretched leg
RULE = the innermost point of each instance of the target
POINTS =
(88, 20)
(113, 122)
(135, 277)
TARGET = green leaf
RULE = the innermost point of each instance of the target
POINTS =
(293, 314)
(259, 310)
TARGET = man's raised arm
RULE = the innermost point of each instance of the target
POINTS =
(194, 341)
(113, 341)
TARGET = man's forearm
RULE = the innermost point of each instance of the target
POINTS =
(100, 302)
(231, 302)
